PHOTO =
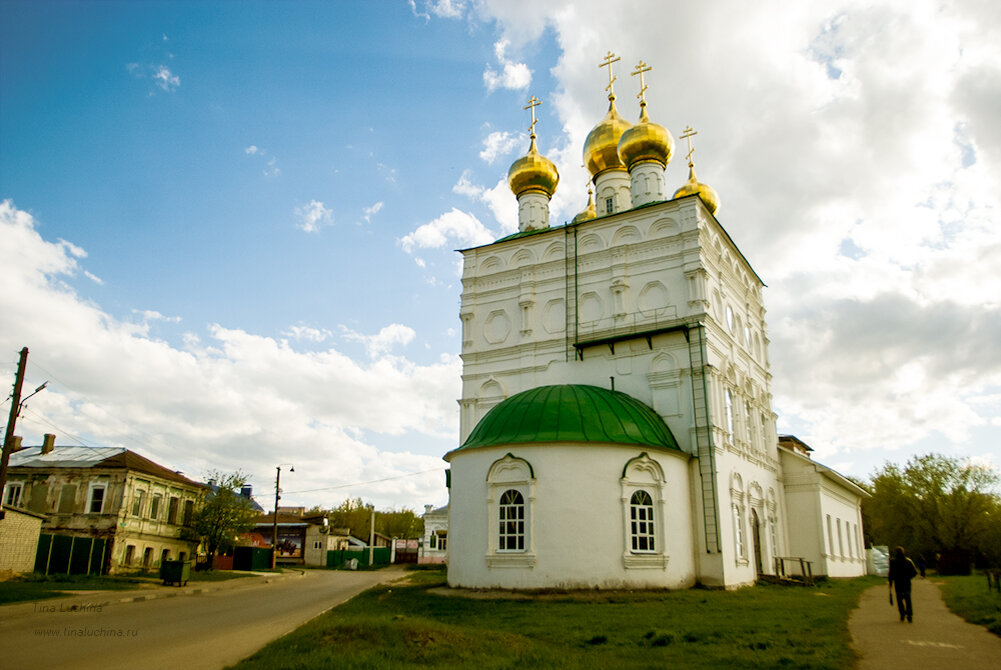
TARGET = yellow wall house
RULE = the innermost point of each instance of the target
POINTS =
(110, 493)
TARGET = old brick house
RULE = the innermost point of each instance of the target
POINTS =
(111, 493)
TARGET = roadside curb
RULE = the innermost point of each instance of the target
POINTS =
(181, 591)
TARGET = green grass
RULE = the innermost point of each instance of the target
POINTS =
(410, 626)
(39, 587)
(969, 598)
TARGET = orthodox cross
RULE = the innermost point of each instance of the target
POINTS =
(640, 69)
(532, 104)
(609, 59)
(687, 135)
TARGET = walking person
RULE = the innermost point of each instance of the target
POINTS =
(902, 571)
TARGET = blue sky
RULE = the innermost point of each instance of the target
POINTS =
(232, 224)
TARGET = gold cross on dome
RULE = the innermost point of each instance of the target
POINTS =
(687, 134)
(640, 69)
(608, 60)
(532, 104)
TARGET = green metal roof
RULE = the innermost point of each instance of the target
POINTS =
(571, 413)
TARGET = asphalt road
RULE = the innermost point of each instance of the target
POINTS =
(203, 630)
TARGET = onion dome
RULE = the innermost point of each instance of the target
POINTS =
(533, 172)
(694, 187)
(645, 141)
(601, 148)
(570, 413)
(589, 212)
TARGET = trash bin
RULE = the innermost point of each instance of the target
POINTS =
(175, 572)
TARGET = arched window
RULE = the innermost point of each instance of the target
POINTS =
(511, 521)
(642, 531)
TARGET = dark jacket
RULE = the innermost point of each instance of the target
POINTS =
(902, 571)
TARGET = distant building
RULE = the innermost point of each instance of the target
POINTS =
(139, 507)
(434, 548)
(302, 539)
(19, 532)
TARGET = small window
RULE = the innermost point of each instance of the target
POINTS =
(738, 532)
(130, 554)
(95, 505)
(511, 535)
(728, 398)
(137, 503)
(442, 540)
(610, 205)
(189, 512)
(154, 506)
(67, 499)
(433, 541)
(12, 494)
(172, 507)
(641, 530)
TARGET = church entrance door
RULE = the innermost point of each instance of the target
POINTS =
(756, 539)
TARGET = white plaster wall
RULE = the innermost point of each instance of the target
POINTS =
(576, 525)
(811, 496)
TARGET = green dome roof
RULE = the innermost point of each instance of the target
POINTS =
(571, 413)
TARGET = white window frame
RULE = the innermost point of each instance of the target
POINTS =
(103, 487)
(642, 524)
(12, 494)
(511, 522)
(739, 543)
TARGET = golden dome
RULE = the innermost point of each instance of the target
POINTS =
(646, 141)
(694, 187)
(601, 149)
(533, 172)
(589, 212)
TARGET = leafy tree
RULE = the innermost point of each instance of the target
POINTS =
(356, 515)
(402, 524)
(936, 506)
(224, 514)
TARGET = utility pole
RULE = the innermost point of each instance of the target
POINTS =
(371, 539)
(274, 528)
(15, 408)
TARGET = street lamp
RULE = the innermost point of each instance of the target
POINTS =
(274, 529)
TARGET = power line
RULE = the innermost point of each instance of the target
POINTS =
(374, 481)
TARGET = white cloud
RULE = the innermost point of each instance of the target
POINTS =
(454, 227)
(369, 212)
(94, 278)
(383, 341)
(248, 401)
(302, 333)
(271, 168)
(166, 79)
(499, 199)
(512, 75)
(500, 143)
(313, 216)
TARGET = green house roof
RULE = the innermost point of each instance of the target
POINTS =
(571, 413)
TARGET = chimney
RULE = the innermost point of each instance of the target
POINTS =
(15, 444)
(48, 443)
(247, 491)
(428, 508)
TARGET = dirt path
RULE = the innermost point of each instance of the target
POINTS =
(937, 638)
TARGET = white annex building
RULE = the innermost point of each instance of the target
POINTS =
(616, 423)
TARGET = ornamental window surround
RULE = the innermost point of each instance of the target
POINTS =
(510, 498)
(643, 518)
(12, 494)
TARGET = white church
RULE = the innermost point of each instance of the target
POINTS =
(616, 422)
